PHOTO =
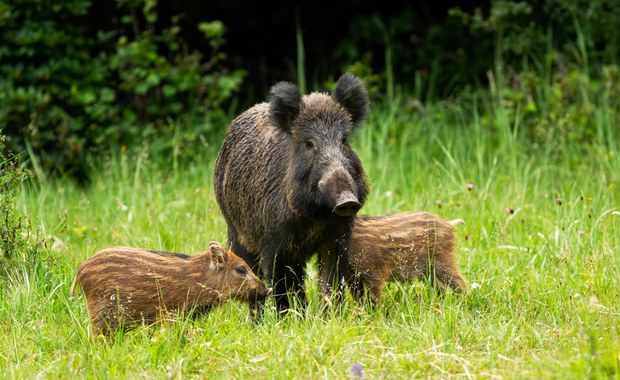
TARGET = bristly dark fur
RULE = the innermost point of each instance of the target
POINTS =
(284, 104)
(282, 170)
(402, 247)
(348, 94)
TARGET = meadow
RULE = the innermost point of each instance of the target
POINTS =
(539, 249)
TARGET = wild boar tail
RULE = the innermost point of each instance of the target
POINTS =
(454, 222)
(74, 287)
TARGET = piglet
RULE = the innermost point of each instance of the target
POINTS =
(402, 247)
(127, 286)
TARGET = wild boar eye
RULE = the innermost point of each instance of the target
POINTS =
(309, 144)
(241, 270)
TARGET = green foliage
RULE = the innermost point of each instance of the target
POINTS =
(43, 52)
(596, 22)
(446, 57)
(66, 89)
(11, 225)
(374, 44)
(576, 31)
(560, 110)
(75, 86)
(543, 78)
(19, 249)
(507, 21)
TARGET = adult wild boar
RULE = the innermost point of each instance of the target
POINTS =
(288, 184)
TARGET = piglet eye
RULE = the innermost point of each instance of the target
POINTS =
(309, 144)
(345, 140)
(241, 270)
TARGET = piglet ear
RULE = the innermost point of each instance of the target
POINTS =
(218, 254)
(352, 95)
(284, 104)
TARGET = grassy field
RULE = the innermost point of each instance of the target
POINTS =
(539, 248)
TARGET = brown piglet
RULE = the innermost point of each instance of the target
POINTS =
(127, 286)
(402, 247)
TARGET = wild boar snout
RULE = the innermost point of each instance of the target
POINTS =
(340, 191)
(346, 204)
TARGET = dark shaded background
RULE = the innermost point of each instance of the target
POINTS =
(261, 36)
(82, 78)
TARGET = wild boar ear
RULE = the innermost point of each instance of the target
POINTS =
(284, 104)
(352, 95)
(218, 254)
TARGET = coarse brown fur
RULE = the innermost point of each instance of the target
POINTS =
(126, 286)
(402, 247)
(288, 184)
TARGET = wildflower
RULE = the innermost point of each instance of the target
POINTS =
(558, 201)
(509, 210)
(438, 202)
(475, 285)
(356, 371)
(594, 303)
(58, 245)
(608, 155)
(121, 206)
(581, 232)
(170, 371)
(470, 186)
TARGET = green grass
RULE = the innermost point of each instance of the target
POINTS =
(539, 247)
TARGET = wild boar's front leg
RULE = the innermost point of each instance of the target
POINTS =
(287, 279)
(257, 306)
(294, 280)
(333, 269)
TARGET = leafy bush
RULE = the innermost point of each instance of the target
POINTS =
(17, 249)
(567, 108)
(74, 84)
(67, 90)
(542, 80)
(446, 54)
(47, 77)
